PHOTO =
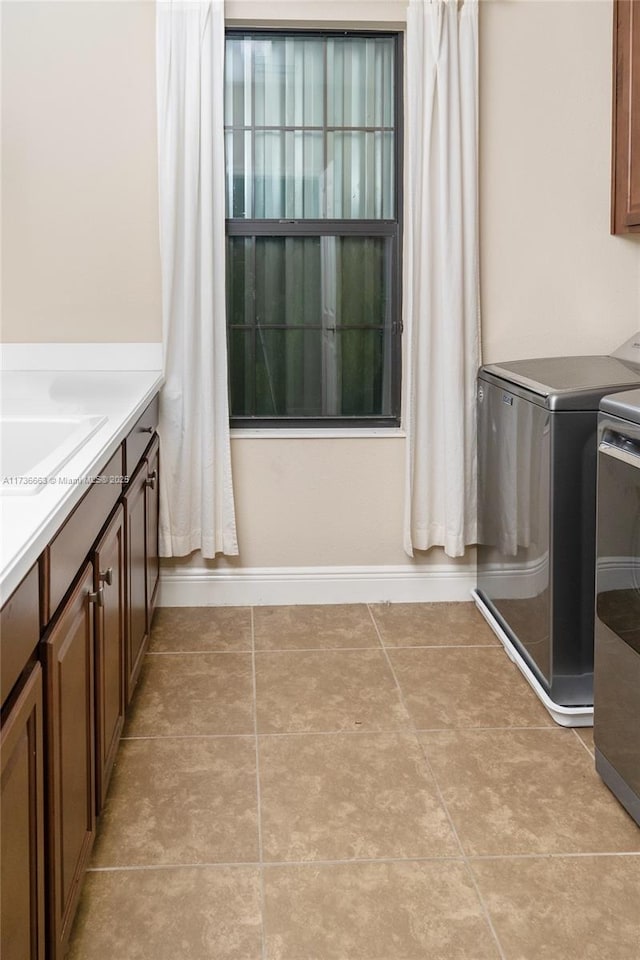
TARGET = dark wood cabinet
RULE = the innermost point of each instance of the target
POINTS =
(21, 813)
(19, 631)
(135, 503)
(110, 615)
(625, 197)
(141, 506)
(69, 740)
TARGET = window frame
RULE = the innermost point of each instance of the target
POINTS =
(383, 228)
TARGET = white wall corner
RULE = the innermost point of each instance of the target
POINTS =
(261, 586)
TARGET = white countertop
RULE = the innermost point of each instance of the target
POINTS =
(28, 522)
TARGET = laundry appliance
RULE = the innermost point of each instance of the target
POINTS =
(616, 722)
(537, 456)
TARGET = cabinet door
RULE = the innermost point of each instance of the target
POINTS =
(626, 118)
(135, 501)
(109, 578)
(153, 504)
(22, 810)
(69, 738)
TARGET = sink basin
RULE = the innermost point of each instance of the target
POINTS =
(33, 450)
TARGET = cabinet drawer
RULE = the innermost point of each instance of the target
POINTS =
(139, 436)
(19, 630)
(67, 551)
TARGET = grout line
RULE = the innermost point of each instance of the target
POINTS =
(344, 732)
(554, 856)
(278, 863)
(138, 868)
(224, 864)
(381, 644)
(389, 646)
(192, 653)
(193, 736)
(398, 731)
(483, 906)
(588, 749)
(414, 730)
(442, 646)
(504, 729)
(258, 789)
(362, 649)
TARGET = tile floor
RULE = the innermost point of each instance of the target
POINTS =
(352, 783)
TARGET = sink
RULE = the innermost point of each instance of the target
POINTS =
(33, 450)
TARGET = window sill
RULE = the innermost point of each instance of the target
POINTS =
(316, 433)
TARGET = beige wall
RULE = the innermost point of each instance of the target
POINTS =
(320, 502)
(553, 280)
(80, 228)
(80, 258)
(319, 489)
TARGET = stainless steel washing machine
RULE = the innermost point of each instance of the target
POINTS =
(537, 454)
(616, 719)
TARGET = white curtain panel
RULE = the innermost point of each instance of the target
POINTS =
(196, 494)
(440, 294)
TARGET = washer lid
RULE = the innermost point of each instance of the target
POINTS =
(625, 405)
(569, 383)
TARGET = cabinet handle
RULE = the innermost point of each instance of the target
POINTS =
(151, 480)
(106, 577)
(146, 429)
(97, 597)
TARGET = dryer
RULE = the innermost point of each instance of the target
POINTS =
(616, 726)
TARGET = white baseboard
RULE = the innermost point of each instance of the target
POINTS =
(524, 581)
(260, 586)
(617, 573)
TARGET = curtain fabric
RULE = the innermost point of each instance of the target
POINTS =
(196, 495)
(440, 296)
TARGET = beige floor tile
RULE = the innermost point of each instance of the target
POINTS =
(559, 908)
(586, 735)
(526, 791)
(200, 628)
(327, 690)
(345, 796)
(173, 914)
(308, 627)
(193, 694)
(432, 624)
(180, 801)
(375, 911)
(467, 687)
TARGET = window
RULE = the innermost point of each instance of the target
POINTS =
(312, 144)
